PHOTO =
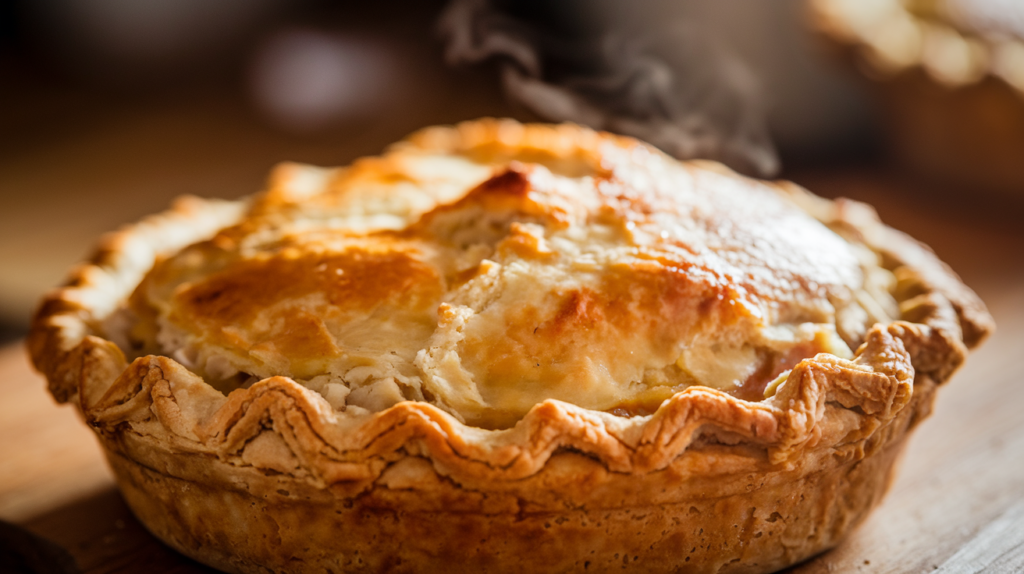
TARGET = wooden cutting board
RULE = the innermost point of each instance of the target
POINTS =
(955, 508)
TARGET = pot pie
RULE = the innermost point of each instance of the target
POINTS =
(505, 347)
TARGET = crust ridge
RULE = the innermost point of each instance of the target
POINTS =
(161, 401)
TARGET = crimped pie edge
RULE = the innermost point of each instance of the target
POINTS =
(941, 319)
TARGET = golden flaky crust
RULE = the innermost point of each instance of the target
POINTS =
(271, 477)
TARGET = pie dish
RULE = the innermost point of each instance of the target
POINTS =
(506, 347)
(949, 75)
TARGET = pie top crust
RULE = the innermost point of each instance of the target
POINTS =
(488, 295)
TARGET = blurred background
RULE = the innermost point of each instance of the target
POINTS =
(110, 108)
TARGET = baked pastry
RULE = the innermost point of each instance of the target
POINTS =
(950, 77)
(505, 347)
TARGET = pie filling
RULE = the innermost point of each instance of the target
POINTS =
(487, 280)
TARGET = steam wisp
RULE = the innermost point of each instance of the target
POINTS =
(671, 86)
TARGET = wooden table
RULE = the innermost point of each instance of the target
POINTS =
(955, 508)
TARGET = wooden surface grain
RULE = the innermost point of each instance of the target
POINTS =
(955, 507)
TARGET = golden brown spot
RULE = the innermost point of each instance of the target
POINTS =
(459, 278)
(525, 243)
(253, 303)
(356, 279)
(496, 201)
(667, 303)
(302, 338)
(512, 182)
(508, 191)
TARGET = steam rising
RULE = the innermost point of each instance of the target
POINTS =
(671, 87)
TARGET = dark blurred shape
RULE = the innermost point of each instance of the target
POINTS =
(307, 81)
(22, 552)
(10, 332)
(145, 41)
(672, 86)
